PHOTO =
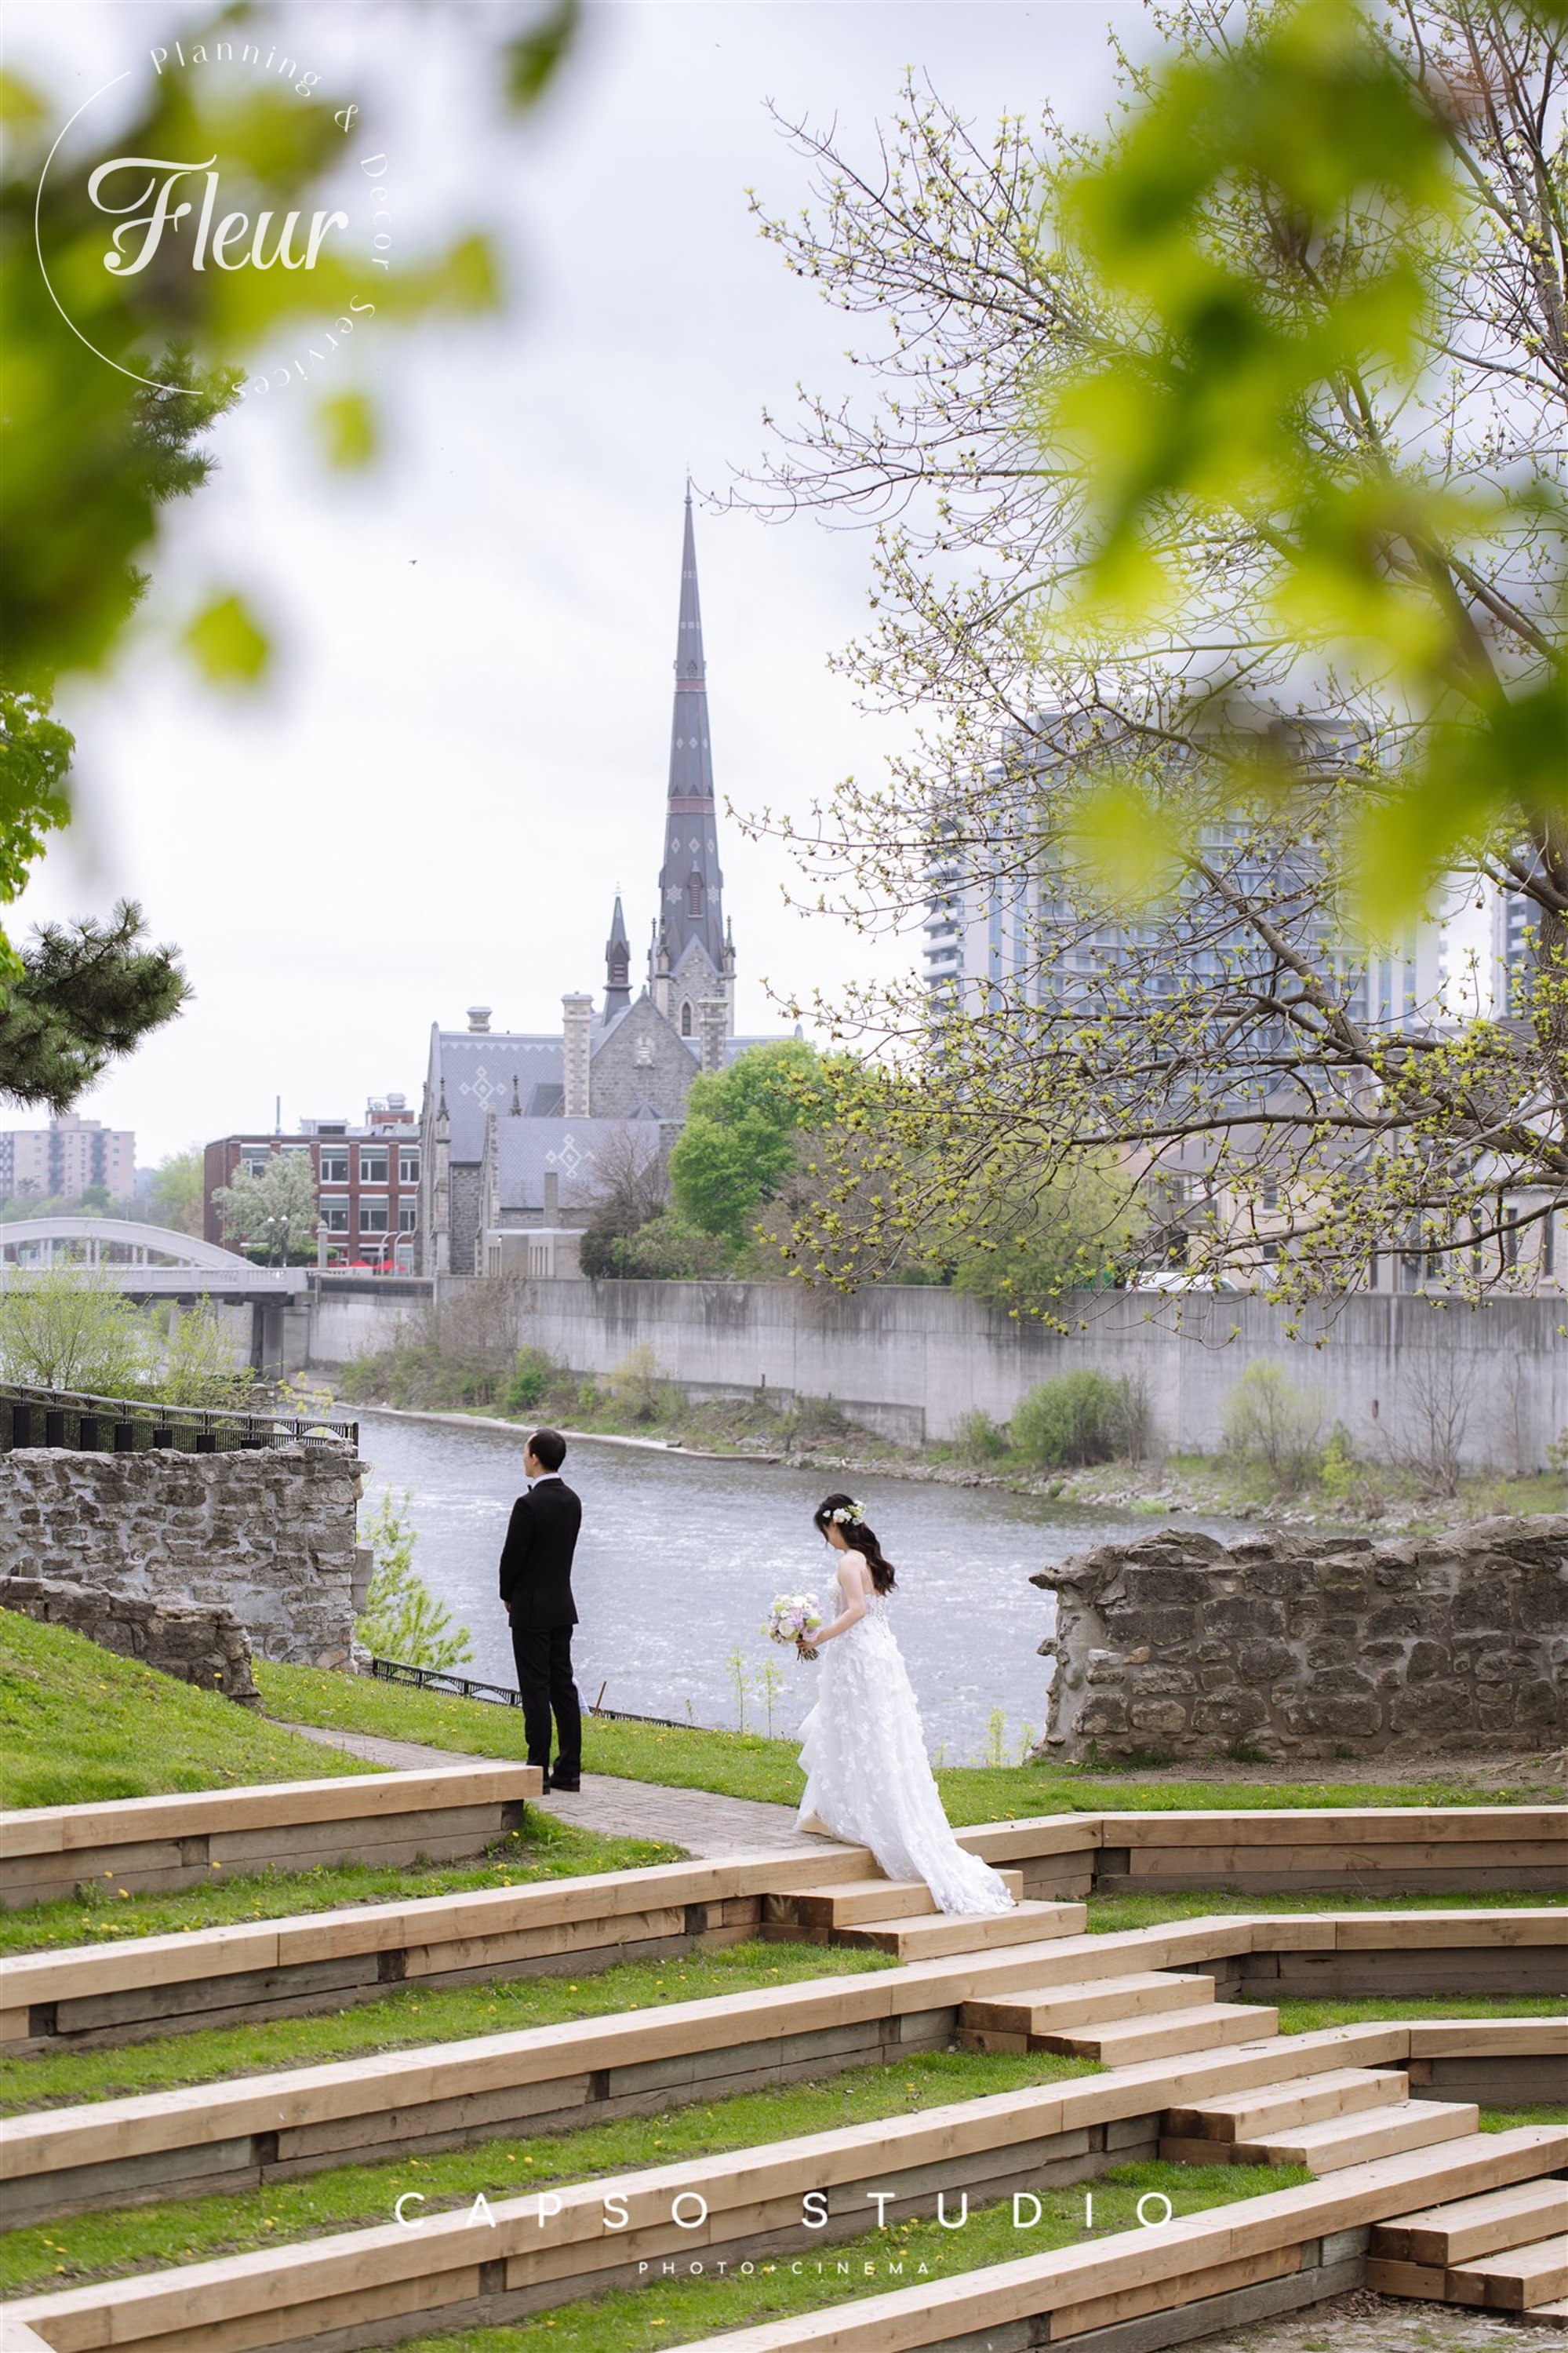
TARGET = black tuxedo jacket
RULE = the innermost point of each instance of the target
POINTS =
(536, 1559)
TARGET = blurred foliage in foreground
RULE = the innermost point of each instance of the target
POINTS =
(98, 441)
(1332, 257)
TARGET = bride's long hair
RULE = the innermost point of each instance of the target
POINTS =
(858, 1535)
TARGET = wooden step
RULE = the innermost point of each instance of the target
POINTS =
(1008, 2021)
(856, 1901)
(322, 2290)
(961, 1932)
(1519, 2281)
(1311, 2100)
(1444, 2236)
(1125, 2043)
(1359, 2139)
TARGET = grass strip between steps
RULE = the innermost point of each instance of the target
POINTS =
(1113, 1914)
(543, 1848)
(735, 1764)
(1312, 2017)
(407, 2017)
(352, 2197)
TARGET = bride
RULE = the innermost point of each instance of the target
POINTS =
(868, 1777)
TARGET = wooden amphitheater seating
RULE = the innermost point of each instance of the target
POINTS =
(556, 2078)
(374, 2287)
(156, 1843)
(1506, 2250)
(225, 1976)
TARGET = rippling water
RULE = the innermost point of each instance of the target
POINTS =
(679, 1558)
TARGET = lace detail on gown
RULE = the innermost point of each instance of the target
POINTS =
(867, 1777)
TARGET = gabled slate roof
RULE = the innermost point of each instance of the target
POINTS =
(576, 1150)
(476, 1067)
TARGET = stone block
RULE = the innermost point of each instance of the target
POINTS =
(1426, 1659)
(1166, 1716)
(208, 1647)
(1262, 1662)
(1238, 1712)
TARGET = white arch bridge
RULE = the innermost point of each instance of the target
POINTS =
(151, 1262)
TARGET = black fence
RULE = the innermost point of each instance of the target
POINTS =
(443, 1679)
(97, 1425)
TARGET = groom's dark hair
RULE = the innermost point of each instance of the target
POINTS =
(548, 1446)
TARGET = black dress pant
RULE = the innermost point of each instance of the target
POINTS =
(543, 1657)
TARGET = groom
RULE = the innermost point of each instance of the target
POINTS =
(536, 1588)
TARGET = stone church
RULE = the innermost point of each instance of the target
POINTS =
(520, 1131)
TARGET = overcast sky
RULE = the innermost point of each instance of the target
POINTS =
(464, 751)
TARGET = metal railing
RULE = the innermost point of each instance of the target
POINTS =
(84, 1424)
(457, 1686)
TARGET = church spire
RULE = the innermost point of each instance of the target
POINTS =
(617, 964)
(690, 885)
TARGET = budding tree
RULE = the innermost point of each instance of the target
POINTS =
(1215, 474)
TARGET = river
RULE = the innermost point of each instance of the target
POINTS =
(681, 1556)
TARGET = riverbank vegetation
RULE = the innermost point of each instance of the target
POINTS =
(1081, 1436)
(70, 1326)
(745, 1765)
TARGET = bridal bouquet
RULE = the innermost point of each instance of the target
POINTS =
(792, 1616)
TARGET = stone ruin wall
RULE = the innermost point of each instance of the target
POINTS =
(268, 1535)
(205, 1646)
(1299, 1646)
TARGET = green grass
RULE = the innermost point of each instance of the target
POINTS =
(674, 2311)
(543, 1848)
(739, 1765)
(78, 1725)
(1312, 2017)
(144, 2238)
(409, 2015)
(1111, 1914)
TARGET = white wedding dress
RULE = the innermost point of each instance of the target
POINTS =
(867, 1777)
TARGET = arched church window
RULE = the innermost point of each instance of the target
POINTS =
(694, 896)
(686, 1018)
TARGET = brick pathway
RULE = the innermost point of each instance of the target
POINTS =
(705, 1825)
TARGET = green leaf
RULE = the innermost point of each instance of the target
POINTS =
(534, 59)
(228, 643)
(349, 430)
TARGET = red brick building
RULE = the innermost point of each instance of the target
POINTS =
(367, 1180)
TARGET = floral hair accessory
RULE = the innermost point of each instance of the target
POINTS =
(849, 1515)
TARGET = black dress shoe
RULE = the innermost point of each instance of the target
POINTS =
(571, 1788)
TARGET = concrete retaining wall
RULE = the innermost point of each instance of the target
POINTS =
(912, 1362)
